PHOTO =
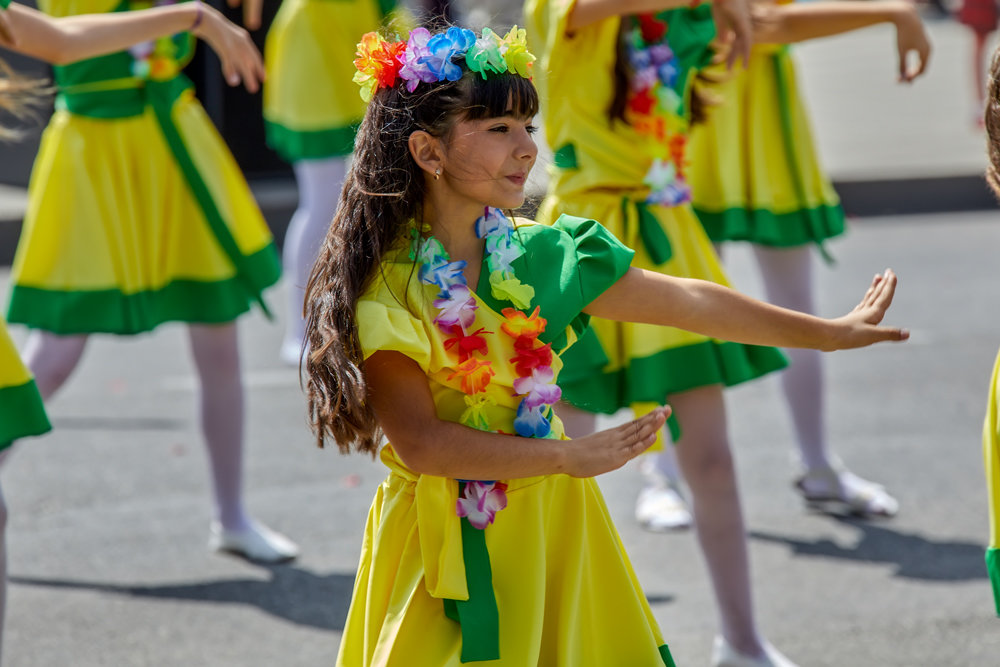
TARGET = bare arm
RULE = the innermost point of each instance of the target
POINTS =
(720, 312)
(68, 39)
(251, 11)
(731, 16)
(402, 401)
(799, 22)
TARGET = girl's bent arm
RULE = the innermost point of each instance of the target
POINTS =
(68, 39)
(723, 313)
(401, 397)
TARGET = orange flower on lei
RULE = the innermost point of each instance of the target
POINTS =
(475, 374)
(518, 324)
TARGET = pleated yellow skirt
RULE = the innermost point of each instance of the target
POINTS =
(754, 170)
(114, 239)
(21, 410)
(566, 593)
(312, 107)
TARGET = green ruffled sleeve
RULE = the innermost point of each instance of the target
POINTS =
(385, 325)
(569, 263)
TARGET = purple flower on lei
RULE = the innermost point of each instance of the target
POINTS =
(459, 307)
(480, 501)
(531, 422)
(538, 388)
(412, 71)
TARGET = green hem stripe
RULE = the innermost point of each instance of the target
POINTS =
(668, 660)
(813, 225)
(651, 379)
(21, 413)
(295, 145)
(111, 311)
(993, 568)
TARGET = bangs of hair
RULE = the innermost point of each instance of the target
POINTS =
(500, 95)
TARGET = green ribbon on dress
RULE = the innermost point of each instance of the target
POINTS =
(478, 616)
(780, 60)
(96, 88)
(654, 239)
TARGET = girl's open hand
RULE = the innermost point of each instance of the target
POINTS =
(609, 450)
(911, 37)
(241, 61)
(862, 324)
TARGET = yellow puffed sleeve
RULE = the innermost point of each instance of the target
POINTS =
(386, 325)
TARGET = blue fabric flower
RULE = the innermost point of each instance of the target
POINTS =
(445, 46)
(530, 422)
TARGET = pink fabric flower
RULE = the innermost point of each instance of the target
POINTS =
(538, 388)
(458, 308)
(480, 501)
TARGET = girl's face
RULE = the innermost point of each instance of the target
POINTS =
(488, 161)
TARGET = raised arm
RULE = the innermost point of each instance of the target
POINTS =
(732, 17)
(251, 11)
(71, 38)
(401, 398)
(798, 22)
(723, 313)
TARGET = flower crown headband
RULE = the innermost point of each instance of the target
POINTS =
(428, 58)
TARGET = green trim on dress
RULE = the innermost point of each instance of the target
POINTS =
(668, 660)
(21, 413)
(780, 230)
(295, 145)
(111, 311)
(993, 568)
(651, 379)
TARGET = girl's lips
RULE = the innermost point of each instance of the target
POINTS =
(518, 178)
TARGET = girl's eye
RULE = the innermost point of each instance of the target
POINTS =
(531, 129)
(503, 129)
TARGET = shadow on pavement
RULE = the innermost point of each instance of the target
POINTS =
(914, 556)
(296, 595)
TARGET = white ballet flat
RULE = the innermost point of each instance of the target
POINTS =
(724, 655)
(660, 508)
(256, 543)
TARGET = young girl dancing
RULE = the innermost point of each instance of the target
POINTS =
(771, 190)
(138, 215)
(437, 321)
(622, 93)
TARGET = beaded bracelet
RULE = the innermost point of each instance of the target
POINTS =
(198, 16)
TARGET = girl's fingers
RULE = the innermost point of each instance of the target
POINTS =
(6, 29)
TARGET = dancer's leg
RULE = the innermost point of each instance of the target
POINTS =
(3, 553)
(52, 359)
(319, 183)
(216, 355)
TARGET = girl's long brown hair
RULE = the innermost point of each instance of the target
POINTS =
(382, 197)
(991, 119)
(19, 96)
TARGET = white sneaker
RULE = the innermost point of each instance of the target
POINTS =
(724, 655)
(256, 543)
(837, 490)
(661, 508)
(290, 352)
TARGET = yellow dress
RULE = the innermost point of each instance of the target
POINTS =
(311, 106)
(563, 592)
(21, 410)
(137, 212)
(769, 188)
(991, 457)
(609, 171)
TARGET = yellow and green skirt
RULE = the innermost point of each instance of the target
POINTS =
(559, 586)
(137, 215)
(991, 458)
(312, 108)
(754, 171)
(619, 364)
(21, 410)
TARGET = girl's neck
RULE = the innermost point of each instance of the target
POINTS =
(453, 224)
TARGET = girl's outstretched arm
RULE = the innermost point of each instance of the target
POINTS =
(798, 22)
(402, 401)
(71, 38)
(732, 16)
(720, 312)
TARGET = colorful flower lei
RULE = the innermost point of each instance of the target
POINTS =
(427, 58)
(654, 107)
(456, 318)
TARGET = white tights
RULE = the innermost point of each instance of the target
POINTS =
(319, 182)
(215, 349)
(707, 463)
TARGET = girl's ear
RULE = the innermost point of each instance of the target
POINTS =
(426, 151)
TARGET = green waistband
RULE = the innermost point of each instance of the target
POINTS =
(117, 98)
